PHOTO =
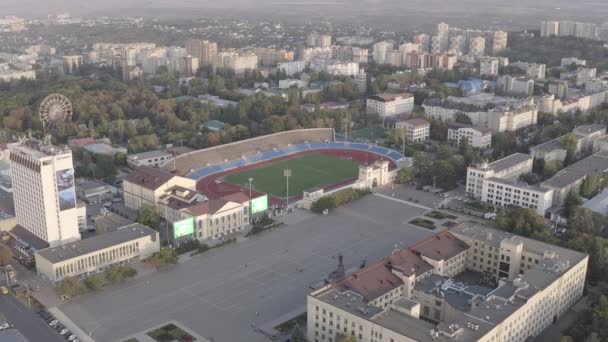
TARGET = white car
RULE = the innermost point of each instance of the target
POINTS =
(63, 332)
(4, 326)
(72, 337)
(54, 322)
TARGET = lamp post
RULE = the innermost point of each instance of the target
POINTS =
(287, 174)
(250, 180)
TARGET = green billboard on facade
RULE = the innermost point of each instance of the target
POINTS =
(259, 205)
(183, 228)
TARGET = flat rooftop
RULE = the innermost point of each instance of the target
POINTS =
(509, 161)
(149, 154)
(38, 149)
(83, 247)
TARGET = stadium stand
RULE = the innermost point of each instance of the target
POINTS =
(195, 160)
(203, 163)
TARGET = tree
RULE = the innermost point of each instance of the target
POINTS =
(322, 204)
(571, 201)
(407, 175)
(591, 185)
(297, 335)
(116, 275)
(586, 221)
(444, 152)
(93, 282)
(569, 143)
(120, 159)
(525, 222)
(463, 118)
(149, 216)
(164, 259)
(69, 287)
(6, 254)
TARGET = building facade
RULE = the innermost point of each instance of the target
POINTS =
(512, 167)
(390, 104)
(150, 158)
(477, 137)
(416, 130)
(44, 190)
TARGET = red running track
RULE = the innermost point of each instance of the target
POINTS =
(214, 187)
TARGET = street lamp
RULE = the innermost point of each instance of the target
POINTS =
(250, 180)
(287, 174)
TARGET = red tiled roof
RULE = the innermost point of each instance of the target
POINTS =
(440, 247)
(408, 263)
(81, 141)
(149, 177)
(370, 282)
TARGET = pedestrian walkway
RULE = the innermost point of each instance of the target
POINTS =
(65, 320)
(403, 201)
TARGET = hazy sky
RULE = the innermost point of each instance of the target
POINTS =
(543, 8)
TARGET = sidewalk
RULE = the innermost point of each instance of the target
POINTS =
(61, 317)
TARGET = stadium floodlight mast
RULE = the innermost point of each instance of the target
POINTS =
(287, 174)
(250, 180)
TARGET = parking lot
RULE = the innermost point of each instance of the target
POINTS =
(224, 293)
(26, 321)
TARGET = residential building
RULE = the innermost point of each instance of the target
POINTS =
(188, 66)
(234, 61)
(558, 88)
(587, 138)
(204, 50)
(360, 55)
(510, 167)
(44, 191)
(131, 243)
(568, 61)
(381, 50)
(571, 177)
(292, 68)
(11, 23)
(599, 203)
(515, 193)
(424, 41)
(476, 136)
(514, 288)
(584, 75)
(361, 81)
(477, 47)
(9, 75)
(71, 63)
(151, 158)
(488, 66)
(146, 185)
(416, 130)
(549, 28)
(514, 86)
(290, 82)
(390, 104)
(499, 41)
(532, 70)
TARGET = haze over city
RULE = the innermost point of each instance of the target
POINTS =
(303, 171)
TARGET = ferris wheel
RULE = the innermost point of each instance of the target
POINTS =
(54, 110)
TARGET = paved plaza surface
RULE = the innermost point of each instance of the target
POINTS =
(222, 294)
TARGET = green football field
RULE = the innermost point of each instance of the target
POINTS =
(307, 171)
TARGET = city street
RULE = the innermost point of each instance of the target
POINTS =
(24, 319)
(223, 293)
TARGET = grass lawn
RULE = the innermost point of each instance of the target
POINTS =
(428, 224)
(436, 215)
(307, 171)
(371, 133)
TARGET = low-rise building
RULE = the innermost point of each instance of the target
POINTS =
(513, 193)
(416, 130)
(471, 283)
(514, 86)
(146, 185)
(512, 167)
(587, 138)
(94, 191)
(390, 104)
(150, 158)
(533, 70)
(86, 257)
(476, 136)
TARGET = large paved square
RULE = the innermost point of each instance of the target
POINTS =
(217, 294)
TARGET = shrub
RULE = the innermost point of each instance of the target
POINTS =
(93, 282)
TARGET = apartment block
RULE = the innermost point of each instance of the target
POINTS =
(416, 130)
(476, 136)
(390, 104)
(510, 167)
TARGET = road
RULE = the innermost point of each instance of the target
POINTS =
(26, 321)
(221, 293)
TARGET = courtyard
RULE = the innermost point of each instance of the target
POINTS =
(227, 293)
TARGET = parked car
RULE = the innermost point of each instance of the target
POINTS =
(4, 290)
(53, 322)
(63, 332)
(4, 326)
(71, 337)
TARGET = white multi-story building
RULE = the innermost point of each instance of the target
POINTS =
(360, 55)
(476, 136)
(292, 68)
(204, 50)
(549, 28)
(512, 167)
(416, 130)
(71, 63)
(381, 50)
(568, 61)
(521, 286)
(333, 67)
(584, 75)
(477, 47)
(390, 104)
(533, 70)
(514, 86)
(150, 158)
(488, 66)
(499, 41)
(9, 75)
(232, 60)
(44, 191)
(512, 193)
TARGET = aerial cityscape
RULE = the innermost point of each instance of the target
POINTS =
(338, 171)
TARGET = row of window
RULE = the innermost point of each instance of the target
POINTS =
(102, 258)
